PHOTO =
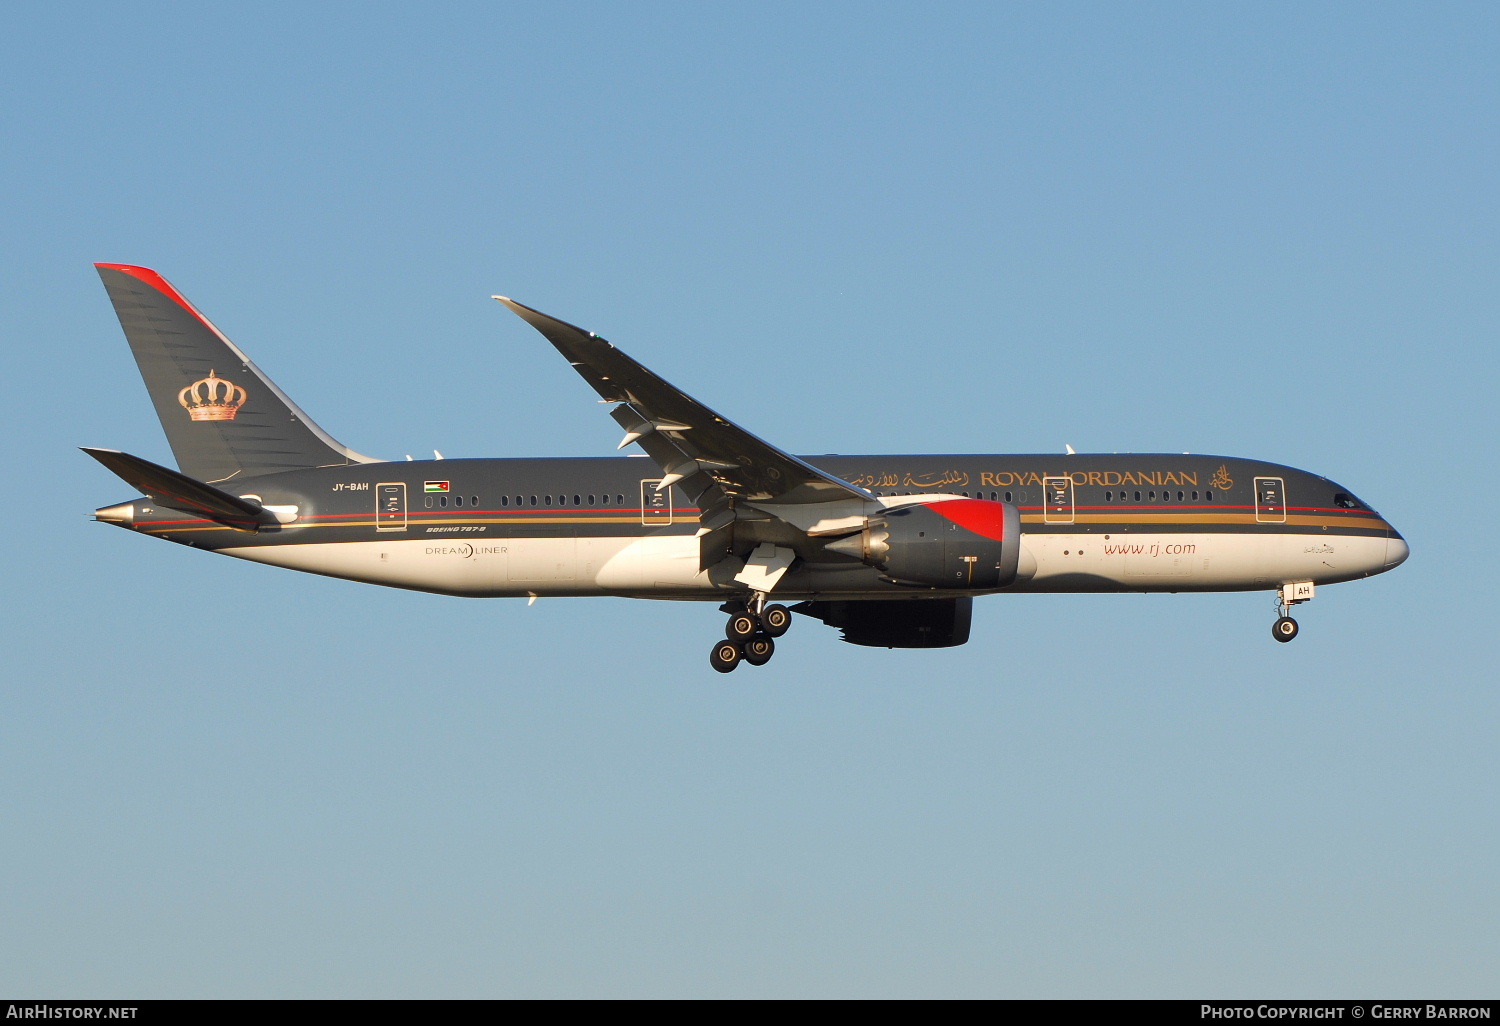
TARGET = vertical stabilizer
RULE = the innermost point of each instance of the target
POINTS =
(222, 416)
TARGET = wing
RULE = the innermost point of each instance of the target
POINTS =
(719, 464)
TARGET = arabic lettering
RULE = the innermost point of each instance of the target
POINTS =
(930, 479)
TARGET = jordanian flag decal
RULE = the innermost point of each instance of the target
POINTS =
(434, 486)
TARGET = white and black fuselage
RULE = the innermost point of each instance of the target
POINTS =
(599, 526)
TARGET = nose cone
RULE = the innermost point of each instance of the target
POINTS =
(1396, 551)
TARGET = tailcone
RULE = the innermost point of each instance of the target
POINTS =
(123, 514)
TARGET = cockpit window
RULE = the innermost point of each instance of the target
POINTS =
(1343, 500)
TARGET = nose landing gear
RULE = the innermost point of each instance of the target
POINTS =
(748, 634)
(1289, 595)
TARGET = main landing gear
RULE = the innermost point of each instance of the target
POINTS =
(749, 634)
(1289, 595)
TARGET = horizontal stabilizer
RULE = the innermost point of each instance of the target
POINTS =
(178, 491)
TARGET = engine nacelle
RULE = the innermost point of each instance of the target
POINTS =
(897, 623)
(942, 543)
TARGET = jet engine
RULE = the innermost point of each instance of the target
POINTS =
(941, 543)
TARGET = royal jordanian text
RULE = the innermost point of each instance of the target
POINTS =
(1092, 477)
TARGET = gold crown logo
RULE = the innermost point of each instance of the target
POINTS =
(212, 398)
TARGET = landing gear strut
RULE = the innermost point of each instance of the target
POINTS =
(748, 634)
(1289, 595)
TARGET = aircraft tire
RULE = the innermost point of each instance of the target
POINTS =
(776, 620)
(725, 656)
(1284, 629)
(741, 627)
(759, 650)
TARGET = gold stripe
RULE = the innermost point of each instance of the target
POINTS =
(173, 529)
(1210, 519)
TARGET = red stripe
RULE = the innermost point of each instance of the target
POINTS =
(978, 515)
(157, 282)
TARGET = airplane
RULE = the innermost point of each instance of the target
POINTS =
(891, 550)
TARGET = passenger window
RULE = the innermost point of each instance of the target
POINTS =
(1208, 495)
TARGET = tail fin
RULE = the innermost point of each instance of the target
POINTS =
(219, 425)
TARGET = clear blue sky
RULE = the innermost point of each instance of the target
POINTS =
(1255, 229)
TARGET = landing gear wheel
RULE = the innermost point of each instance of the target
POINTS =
(775, 620)
(725, 656)
(741, 627)
(1284, 629)
(759, 650)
